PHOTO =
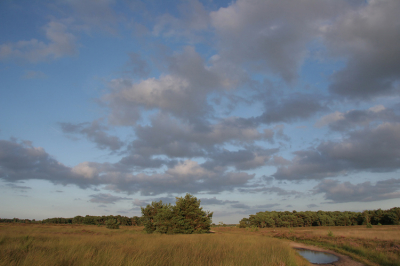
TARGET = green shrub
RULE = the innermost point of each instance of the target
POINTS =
(112, 223)
(369, 225)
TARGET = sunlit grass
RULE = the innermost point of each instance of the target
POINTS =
(92, 245)
(379, 245)
(382, 232)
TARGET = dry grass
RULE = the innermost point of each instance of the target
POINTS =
(383, 232)
(379, 245)
(92, 245)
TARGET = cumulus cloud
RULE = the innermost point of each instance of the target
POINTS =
(60, 43)
(338, 121)
(18, 187)
(370, 149)
(106, 198)
(215, 201)
(169, 93)
(185, 177)
(182, 93)
(88, 170)
(23, 161)
(136, 66)
(191, 131)
(192, 21)
(338, 192)
(329, 119)
(368, 38)
(271, 35)
(244, 159)
(138, 202)
(95, 132)
(175, 139)
(291, 109)
(268, 190)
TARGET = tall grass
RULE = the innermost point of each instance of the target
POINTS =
(379, 245)
(382, 232)
(92, 245)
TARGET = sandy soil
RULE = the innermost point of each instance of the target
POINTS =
(343, 259)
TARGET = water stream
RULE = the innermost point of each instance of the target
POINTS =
(317, 257)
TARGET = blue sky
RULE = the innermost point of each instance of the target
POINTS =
(249, 105)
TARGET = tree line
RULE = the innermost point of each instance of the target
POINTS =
(322, 218)
(88, 219)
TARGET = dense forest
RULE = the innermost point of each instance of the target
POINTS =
(322, 218)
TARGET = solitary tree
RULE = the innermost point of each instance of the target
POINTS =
(186, 217)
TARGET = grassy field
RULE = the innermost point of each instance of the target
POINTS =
(379, 245)
(36, 244)
(27, 244)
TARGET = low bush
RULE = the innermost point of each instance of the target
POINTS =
(112, 223)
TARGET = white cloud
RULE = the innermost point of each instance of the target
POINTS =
(86, 169)
(59, 43)
(188, 168)
(327, 119)
(271, 35)
(368, 38)
(106, 198)
(377, 108)
(375, 149)
(362, 192)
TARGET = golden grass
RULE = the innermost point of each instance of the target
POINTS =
(379, 245)
(92, 245)
(382, 232)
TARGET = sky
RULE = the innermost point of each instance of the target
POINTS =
(249, 105)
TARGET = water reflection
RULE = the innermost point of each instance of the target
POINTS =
(317, 257)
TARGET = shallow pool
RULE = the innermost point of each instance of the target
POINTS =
(317, 257)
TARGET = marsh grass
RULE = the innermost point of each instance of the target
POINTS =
(92, 245)
(379, 245)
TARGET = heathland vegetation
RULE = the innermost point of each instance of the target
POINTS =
(72, 244)
(377, 245)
